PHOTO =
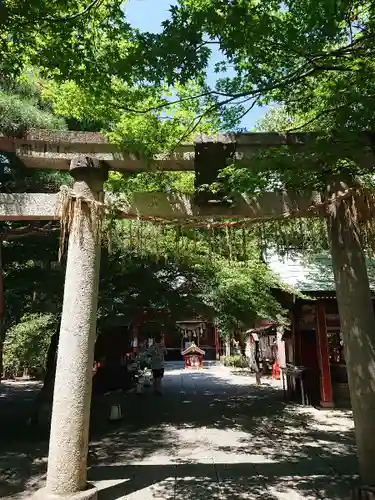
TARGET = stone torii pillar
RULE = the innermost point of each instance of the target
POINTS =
(68, 447)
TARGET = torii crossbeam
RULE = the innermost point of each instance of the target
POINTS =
(168, 207)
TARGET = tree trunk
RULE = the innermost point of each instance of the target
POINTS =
(2, 310)
(357, 325)
(2, 340)
(49, 376)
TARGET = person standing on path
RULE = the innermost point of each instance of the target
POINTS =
(158, 351)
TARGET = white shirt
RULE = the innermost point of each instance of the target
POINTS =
(157, 353)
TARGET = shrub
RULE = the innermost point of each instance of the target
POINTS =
(19, 113)
(235, 361)
(26, 344)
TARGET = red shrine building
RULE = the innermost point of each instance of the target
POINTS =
(314, 370)
(178, 335)
(118, 338)
(314, 358)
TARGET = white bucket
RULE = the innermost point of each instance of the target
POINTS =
(147, 379)
(115, 413)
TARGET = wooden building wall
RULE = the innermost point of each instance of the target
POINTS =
(316, 343)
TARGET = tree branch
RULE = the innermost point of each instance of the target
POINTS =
(177, 101)
(90, 6)
(346, 49)
(294, 77)
(319, 115)
(249, 108)
(86, 10)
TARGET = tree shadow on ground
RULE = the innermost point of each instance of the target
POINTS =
(273, 447)
(209, 437)
(229, 481)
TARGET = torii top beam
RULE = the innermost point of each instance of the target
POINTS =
(54, 149)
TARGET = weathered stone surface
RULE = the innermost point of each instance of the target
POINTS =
(67, 460)
(87, 163)
(91, 493)
(26, 206)
(29, 206)
(250, 138)
(55, 149)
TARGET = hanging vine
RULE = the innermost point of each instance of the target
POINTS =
(177, 242)
(131, 236)
(244, 244)
(156, 241)
(229, 242)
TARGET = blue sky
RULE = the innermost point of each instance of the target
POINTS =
(147, 15)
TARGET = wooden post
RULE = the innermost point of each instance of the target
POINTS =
(227, 346)
(135, 342)
(357, 323)
(68, 447)
(217, 344)
(326, 399)
(280, 344)
(297, 353)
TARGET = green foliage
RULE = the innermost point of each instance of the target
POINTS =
(213, 274)
(241, 293)
(33, 279)
(154, 181)
(27, 343)
(90, 43)
(17, 114)
(166, 125)
(142, 120)
(314, 57)
(299, 170)
(21, 107)
(276, 120)
(235, 361)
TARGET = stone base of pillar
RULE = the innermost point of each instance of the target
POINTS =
(327, 404)
(91, 493)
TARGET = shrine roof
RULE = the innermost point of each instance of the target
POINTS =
(263, 330)
(310, 274)
(193, 348)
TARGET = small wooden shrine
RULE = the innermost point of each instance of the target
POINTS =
(202, 333)
(193, 357)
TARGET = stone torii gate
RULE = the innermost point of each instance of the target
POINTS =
(88, 157)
